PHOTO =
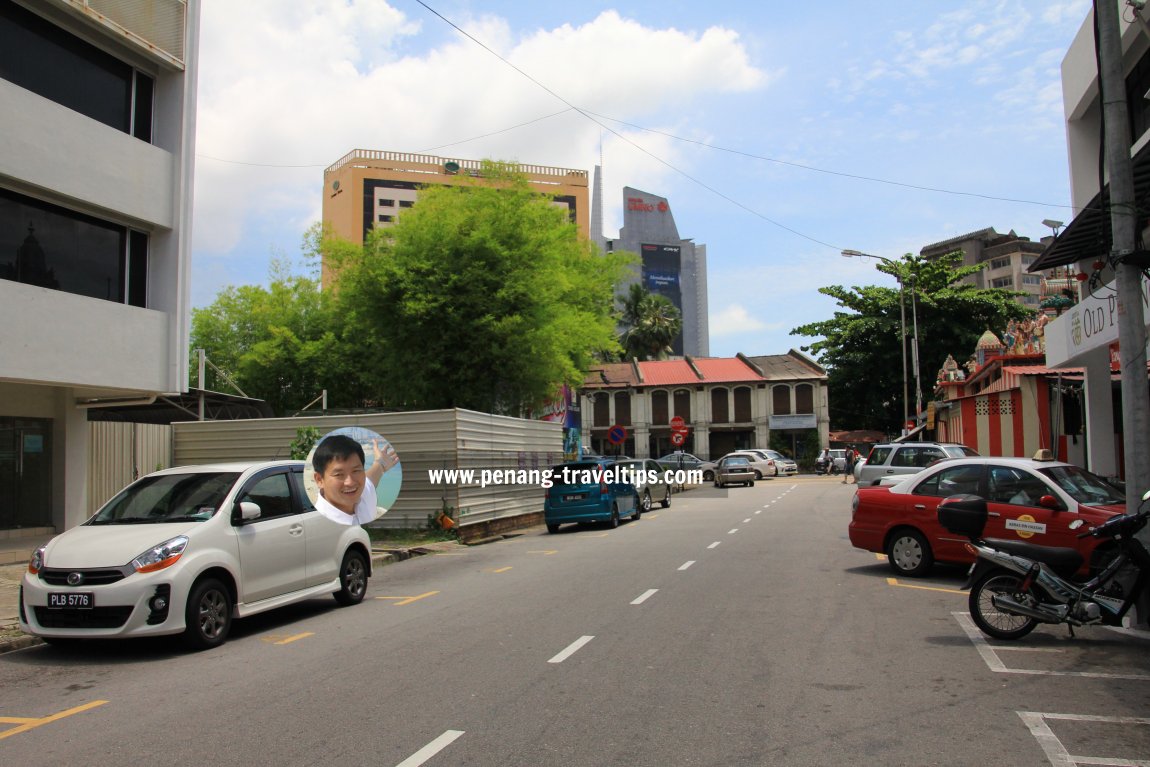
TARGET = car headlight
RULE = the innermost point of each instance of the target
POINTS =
(37, 561)
(163, 555)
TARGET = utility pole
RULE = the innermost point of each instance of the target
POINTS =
(1123, 223)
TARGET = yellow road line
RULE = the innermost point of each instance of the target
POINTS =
(408, 600)
(32, 724)
(894, 582)
(294, 637)
(652, 516)
(17, 719)
(880, 557)
(501, 570)
(547, 552)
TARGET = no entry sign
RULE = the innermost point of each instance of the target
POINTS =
(616, 435)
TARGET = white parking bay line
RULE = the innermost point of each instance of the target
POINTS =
(1057, 753)
(687, 564)
(431, 749)
(644, 596)
(713, 545)
(571, 649)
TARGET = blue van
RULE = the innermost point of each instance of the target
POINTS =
(589, 491)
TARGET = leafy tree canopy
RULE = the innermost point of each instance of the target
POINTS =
(860, 344)
(280, 343)
(481, 297)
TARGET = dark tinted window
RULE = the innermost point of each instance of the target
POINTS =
(878, 456)
(55, 64)
(953, 481)
(52, 247)
(272, 494)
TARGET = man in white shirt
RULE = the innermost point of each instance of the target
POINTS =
(346, 490)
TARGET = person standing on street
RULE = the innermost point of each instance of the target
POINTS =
(849, 474)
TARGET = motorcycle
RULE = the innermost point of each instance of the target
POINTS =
(1015, 585)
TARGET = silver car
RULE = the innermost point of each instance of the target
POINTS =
(734, 469)
(763, 465)
(784, 464)
(650, 481)
(903, 458)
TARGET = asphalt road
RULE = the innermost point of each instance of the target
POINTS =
(735, 628)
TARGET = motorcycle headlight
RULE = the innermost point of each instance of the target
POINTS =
(37, 561)
(163, 555)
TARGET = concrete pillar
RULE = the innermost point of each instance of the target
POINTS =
(1101, 454)
(70, 465)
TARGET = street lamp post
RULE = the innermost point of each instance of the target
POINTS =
(902, 338)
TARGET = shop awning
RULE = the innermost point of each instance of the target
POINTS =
(1088, 235)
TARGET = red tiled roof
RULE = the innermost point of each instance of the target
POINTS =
(667, 373)
(724, 369)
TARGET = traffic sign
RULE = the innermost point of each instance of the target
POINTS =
(678, 438)
(678, 424)
(617, 435)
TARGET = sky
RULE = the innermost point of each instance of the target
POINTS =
(781, 133)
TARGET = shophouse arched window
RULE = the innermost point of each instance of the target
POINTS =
(743, 404)
(720, 413)
(683, 404)
(601, 408)
(781, 399)
(623, 408)
(659, 414)
(804, 398)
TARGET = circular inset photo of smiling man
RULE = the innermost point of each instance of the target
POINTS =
(353, 475)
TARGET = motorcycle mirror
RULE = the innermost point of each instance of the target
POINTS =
(1076, 524)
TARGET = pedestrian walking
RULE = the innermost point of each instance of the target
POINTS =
(852, 456)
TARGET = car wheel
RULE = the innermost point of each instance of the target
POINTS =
(758, 474)
(352, 578)
(750, 484)
(614, 521)
(207, 615)
(638, 512)
(667, 499)
(776, 470)
(645, 503)
(909, 553)
(552, 528)
(708, 475)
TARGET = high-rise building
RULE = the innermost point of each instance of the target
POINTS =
(367, 189)
(1007, 258)
(98, 144)
(669, 265)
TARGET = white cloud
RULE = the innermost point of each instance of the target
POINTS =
(734, 319)
(305, 82)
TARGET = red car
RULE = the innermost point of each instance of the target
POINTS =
(1028, 500)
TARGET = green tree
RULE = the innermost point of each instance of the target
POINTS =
(480, 296)
(860, 344)
(281, 343)
(651, 323)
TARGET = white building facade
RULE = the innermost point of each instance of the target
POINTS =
(97, 134)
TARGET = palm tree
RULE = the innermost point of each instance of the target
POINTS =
(650, 324)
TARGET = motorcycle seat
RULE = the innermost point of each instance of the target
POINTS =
(1062, 560)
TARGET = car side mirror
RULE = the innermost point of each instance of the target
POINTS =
(246, 511)
(1050, 502)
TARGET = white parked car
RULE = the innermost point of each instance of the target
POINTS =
(187, 550)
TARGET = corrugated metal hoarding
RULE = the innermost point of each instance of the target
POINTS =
(118, 453)
(425, 441)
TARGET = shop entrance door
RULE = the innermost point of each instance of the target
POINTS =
(25, 473)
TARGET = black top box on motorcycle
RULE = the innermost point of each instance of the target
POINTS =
(963, 514)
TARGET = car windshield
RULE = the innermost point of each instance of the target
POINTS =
(958, 451)
(1085, 487)
(167, 498)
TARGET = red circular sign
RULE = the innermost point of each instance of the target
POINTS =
(617, 435)
(678, 438)
(678, 423)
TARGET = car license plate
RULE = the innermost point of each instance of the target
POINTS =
(66, 599)
(576, 497)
